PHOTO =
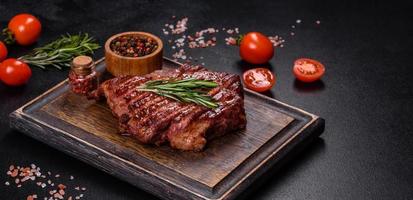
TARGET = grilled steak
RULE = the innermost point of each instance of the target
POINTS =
(155, 119)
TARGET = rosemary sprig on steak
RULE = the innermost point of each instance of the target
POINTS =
(189, 90)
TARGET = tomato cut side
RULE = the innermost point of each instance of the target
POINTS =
(308, 70)
(259, 79)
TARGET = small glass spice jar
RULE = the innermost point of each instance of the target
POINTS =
(83, 78)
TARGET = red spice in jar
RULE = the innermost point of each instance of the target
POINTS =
(133, 45)
(83, 78)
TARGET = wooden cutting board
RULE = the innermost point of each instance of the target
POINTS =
(88, 131)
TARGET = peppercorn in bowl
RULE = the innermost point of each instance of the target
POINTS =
(133, 53)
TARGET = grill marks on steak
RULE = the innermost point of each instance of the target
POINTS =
(155, 119)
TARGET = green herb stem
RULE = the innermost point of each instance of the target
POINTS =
(60, 52)
(187, 90)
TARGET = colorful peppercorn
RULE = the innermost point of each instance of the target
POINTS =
(133, 45)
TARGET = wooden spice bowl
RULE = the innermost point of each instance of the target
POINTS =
(119, 65)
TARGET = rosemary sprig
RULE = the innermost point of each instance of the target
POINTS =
(60, 52)
(189, 90)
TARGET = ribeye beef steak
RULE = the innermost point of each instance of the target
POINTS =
(155, 119)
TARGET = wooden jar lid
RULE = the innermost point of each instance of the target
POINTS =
(82, 65)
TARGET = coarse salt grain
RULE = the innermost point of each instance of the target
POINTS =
(298, 21)
(199, 39)
(230, 41)
(14, 173)
(25, 178)
(61, 186)
(180, 54)
(318, 22)
(277, 41)
(180, 26)
(30, 173)
(57, 195)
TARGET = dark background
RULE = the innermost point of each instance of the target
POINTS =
(366, 151)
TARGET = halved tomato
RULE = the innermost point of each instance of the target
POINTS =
(308, 70)
(259, 79)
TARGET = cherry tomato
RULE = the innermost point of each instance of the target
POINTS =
(256, 48)
(3, 51)
(25, 28)
(14, 72)
(259, 79)
(308, 70)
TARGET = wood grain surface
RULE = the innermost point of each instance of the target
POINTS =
(220, 157)
(88, 131)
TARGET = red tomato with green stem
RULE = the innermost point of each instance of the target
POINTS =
(256, 48)
(14, 72)
(3, 51)
(259, 79)
(308, 70)
(24, 29)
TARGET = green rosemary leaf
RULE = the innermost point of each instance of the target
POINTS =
(60, 52)
(189, 90)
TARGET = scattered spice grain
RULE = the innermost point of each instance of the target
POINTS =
(22, 175)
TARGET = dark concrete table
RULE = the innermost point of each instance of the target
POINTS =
(366, 96)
